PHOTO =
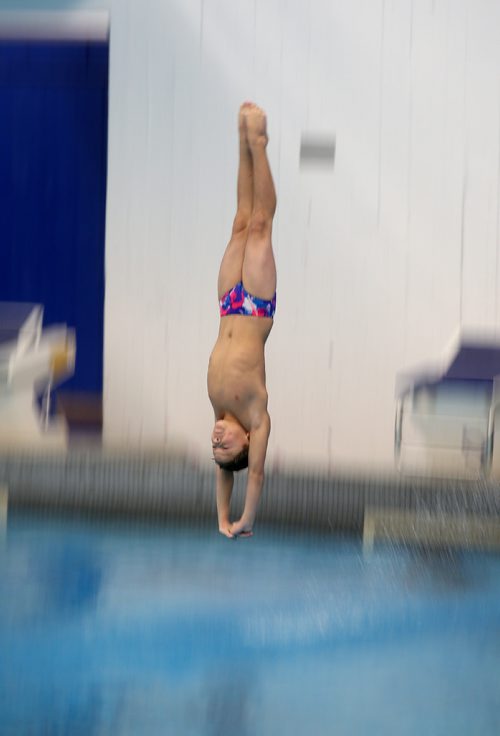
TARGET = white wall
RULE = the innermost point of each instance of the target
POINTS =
(379, 261)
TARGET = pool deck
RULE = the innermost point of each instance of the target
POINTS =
(174, 487)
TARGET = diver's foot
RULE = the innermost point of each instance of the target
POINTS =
(256, 125)
(242, 125)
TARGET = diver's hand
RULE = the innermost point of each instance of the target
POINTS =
(225, 529)
(241, 528)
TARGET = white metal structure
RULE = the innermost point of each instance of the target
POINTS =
(445, 414)
(32, 361)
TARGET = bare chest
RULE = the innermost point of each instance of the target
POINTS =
(236, 379)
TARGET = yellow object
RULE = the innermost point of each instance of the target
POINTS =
(62, 358)
(4, 497)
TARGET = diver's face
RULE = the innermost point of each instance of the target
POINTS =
(228, 440)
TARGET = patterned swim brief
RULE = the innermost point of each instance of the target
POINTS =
(238, 301)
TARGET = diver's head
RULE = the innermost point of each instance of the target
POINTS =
(230, 443)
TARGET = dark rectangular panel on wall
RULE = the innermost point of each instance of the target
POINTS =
(53, 155)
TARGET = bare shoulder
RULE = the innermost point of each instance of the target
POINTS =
(259, 437)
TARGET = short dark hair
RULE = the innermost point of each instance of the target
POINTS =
(240, 462)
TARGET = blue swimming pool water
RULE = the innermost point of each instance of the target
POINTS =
(109, 629)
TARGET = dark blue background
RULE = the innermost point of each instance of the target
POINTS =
(53, 153)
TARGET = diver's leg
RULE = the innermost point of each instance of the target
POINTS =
(259, 269)
(230, 272)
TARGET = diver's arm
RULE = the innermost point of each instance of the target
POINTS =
(259, 437)
(224, 487)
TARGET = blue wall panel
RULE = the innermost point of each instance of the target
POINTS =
(53, 153)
